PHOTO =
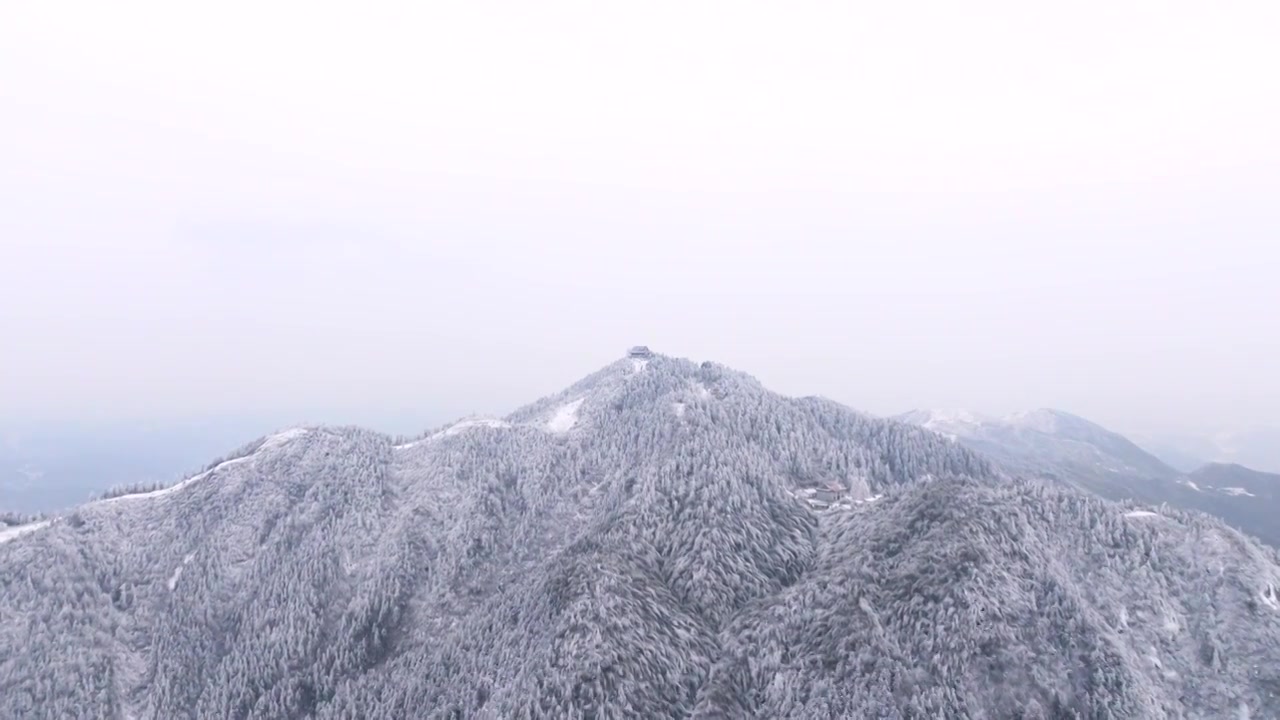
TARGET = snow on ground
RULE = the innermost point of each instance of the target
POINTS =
(281, 438)
(1237, 491)
(1192, 485)
(565, 418)
(951, 424)
(703, 392)
(1044, 421)
(1270, 598)
(1153, 656)
(1141, 513)
(639, 364)
(678, 408)
(176, 486)
(274, 441)
(13, 533)
(458, 427)
(949, 419)
(172, 488)
(177, 572)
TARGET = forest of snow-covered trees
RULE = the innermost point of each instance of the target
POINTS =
(638, 545)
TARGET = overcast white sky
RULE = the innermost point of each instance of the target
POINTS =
(440, 208)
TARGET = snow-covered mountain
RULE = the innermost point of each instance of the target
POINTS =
(1048, 441)
(1238, 481)
(1247, 498)
(662, 539)
(1056, 445)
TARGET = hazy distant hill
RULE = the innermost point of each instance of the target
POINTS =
(1182, 454)
(1238, 480)
(1248, 498)
(660, 540)
(1056, 445)
(1052, 443)
(1257, 447)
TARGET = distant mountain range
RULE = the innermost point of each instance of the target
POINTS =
(1257, 447)
(663, 539)
(1056, 445)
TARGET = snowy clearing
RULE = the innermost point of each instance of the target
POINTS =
(1141, 513)
(639, 364)
(565, 418)
(13, 533)
(702, 391)
(678, 408)
(1235, 491)
(1192, 485)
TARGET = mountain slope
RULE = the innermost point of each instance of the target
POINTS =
(662, 539)
(977, 600)
(1237, 480)
(1055, 445)
(1246, 498)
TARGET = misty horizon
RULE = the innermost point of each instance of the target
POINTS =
(439, 408)
(52, 464)
(888, 212)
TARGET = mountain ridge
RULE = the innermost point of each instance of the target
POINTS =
(1060, 446)
(639, 544)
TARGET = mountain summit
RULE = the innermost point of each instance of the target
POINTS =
(660, 539)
